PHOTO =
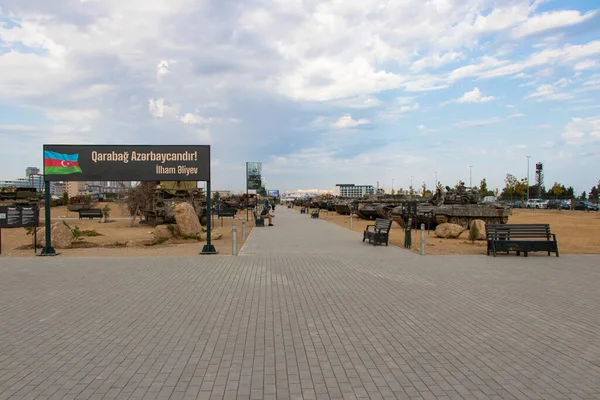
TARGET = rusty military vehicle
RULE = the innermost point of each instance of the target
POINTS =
(160, 208)
(18, 196)
(456, 206)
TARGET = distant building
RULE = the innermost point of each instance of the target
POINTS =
(75, 188)
(57, 189)
(35, 181)
(32, 171)
(352, 190)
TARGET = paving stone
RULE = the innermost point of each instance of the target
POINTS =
(306, 310)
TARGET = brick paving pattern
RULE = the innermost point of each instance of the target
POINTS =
(307, 311)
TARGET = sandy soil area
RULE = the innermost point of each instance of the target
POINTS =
(117, 232)
(577, 232)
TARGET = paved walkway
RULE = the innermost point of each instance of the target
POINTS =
(294, 318)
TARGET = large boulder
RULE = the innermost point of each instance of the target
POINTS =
(448, 231)
(187, 220)
(61, 236)
(480, 226)
(162, 232)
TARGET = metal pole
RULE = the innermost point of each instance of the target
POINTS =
(208, 247)
(470, 176)
(528, 157)
(422, 244)
(436, 179)
(234, 240)
(350, 221)
(48, 250)
(244, 231)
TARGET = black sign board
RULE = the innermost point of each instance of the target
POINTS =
(409, 208)
(19, 216)
(126, 163)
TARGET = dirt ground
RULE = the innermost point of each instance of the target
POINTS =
(577, 232)
(117, 232)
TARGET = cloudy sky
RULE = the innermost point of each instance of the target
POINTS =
(321, 91)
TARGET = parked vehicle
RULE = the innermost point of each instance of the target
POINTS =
(536, 203)
(586, 206)
(559, 205)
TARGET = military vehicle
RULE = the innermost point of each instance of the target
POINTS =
(13, 196)
(168, 194)
(456, 206)
(343, 207)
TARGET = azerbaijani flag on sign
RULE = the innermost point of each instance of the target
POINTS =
(60, 164)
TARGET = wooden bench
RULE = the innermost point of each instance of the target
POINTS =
(303, 210)
(379, 233)
(315, 214)
(258, 221)
(90, 213)
(520, 238)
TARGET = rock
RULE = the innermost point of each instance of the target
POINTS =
(162, 232)
(102, 220)
(187, 220)
(215, 235)
(480, 229)
(448, 231)
(61, 236)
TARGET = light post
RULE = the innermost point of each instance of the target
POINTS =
(392, 185)
(470, 176)
(411, 188)
(528, 157)
(436, 181)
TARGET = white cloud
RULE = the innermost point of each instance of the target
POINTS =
(474, 96)
(582, 130)
(485, 121)
(346, 121)
(548, 92)
(436, 60)
(550, 20)
(586, 64)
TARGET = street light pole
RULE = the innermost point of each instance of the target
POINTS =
(470, 176)
(528, 157)
(436, 181)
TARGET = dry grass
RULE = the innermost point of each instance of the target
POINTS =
(577, 232)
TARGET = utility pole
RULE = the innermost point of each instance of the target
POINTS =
(528, 157)
(470, 176)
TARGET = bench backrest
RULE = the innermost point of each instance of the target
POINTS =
(383, 224)
(90, 211)
(517, 231)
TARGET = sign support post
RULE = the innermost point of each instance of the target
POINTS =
(208, 247)
(48, 250)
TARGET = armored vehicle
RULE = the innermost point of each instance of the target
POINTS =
(343, 207)
(168, 194)
(13, 196)
(456, 206)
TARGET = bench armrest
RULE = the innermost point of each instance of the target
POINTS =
(367, 227)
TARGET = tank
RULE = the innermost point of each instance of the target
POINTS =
(13, 196)
(167, 195)
(343, 207)
(456, 206)
(368, 211)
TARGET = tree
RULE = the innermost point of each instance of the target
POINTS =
(393, 192)
(583, 196)
(570, 193)
(483, 189)
(216, 196)
(65, 199)
(557, 190)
